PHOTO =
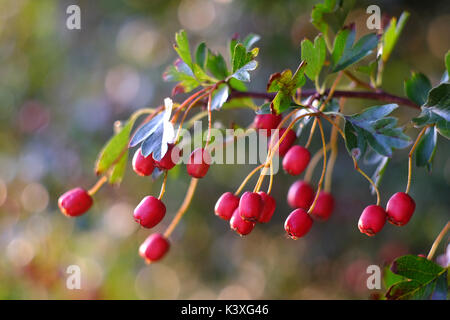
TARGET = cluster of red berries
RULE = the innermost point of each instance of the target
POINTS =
(258, 207)
(399, 211)
(151, 210)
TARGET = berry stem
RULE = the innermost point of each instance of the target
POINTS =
(332, 160)
(438, 240)
(247, 179)
(184, 206)
(368, 179)
(163, 186)
(410, 155)
(208, 138)
(269, 189)
(100, 182)
(185, 103)
(324, 169)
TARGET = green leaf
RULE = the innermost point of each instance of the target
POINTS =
(447, 62)
(180, 72)
(314, 56)
(352, 53)
(113, 149)
(242, 73)
(118, 171)
(216, 65)
(244, 102)
(425, 279)
(390, 278)
(239, 58)
(372, 127)
(379, 172)
(250, 40)
(426, 148)
(436, 111)
(219, 97)
(417, 88)
(264, 109)
(182, 47)
(331, 14)
(201, 55)
(392, 34)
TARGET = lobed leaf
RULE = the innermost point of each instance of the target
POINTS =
(426, 148)
(314, 56)
(417, 88)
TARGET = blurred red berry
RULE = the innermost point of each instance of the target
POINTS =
(296, 160)
(170, 159)
(298, 223)
(400, 208)
(300, 195)
(149, 212)
(241, 226)
(250, 206)
(287, 142)
(143, 166)
(324, 206)
(267, 122)
(75, 202)
(372, 220)
(226, 205)
(198, 163)
(154, 247)
(269, 205)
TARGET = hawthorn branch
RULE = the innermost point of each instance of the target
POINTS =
(371, 95)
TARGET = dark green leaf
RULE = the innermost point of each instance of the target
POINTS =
(314, 56)
(426, 148)
(353, 53)
(216, 65)
(417, 88)
(331, 14)
(416, 268)
(354, 141)
(391, 35)
(201, 54)
(390, 278)
(239, 58)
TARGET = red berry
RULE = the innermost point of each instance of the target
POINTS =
(298, 223)
(154, 247)
(300, 195)
(226, 205)
(241, 226)
(269, 205)
(75, 202)
(267, 122)
(170, 159)
(296, 160)
(149, 212)
(372, 220)
(143, 166)
(198, 163)
(400, 208)
(250, 206)
(324, 206)
(287, 142)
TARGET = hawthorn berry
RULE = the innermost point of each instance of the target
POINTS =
(241, 226)
(298, 223)
(154, 247)
(170, 159)
(300, 195)
(149, 212)
(226, 205)
(287, 142)
(250, 206)
(143, 166)
(372, 220)
(400, 208)
(324, 206)
(296, 160)
(75, 202)
(198, 163)
(269, 205)
(267, 122)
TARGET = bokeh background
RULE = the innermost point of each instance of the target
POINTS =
(62, 90)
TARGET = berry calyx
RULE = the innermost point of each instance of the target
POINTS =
(267, 122)
(198, 163)
(226, 205)
(143, 166)
(372, 220)
(287, 142)
(298, 223)
(250, 206)
(170, 159)
(75, 202)
(269, 205)
(154, 247)
(324, 206)
(296, 160)
(300, 195)
(241, 226)
(400, 209)
(149, 212)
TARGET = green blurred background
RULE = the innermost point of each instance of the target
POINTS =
(62, 90)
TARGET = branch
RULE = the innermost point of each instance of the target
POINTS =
(372, 95)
